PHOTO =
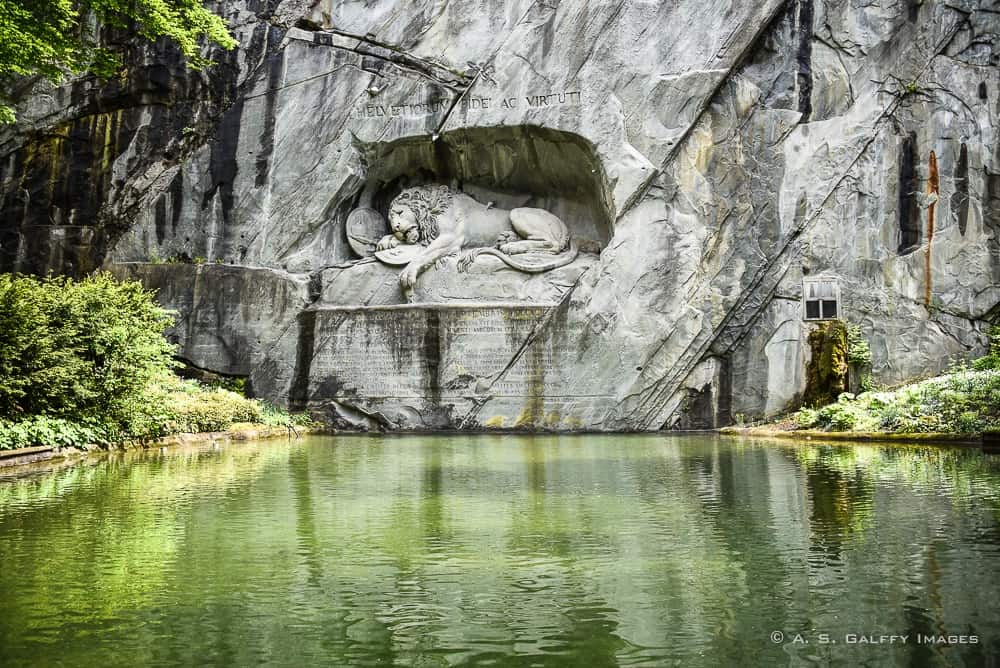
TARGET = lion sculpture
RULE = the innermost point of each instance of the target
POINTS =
(431, 222)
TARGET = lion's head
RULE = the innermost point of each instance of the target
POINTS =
(414, 213)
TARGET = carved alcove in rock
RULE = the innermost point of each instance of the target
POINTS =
(464, 247)
(492, 170)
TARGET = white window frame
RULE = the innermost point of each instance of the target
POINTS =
(821, 280)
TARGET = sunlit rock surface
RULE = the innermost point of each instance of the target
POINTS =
(708, 156)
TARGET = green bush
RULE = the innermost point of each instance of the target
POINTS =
(992, 360)
(806, 418)
(79, 350)
(40, 371)
(858, 350)
(41, 430)
(962, 402)
(965, 400)
(169, 405)
(85, 363)
(838, 417)
(969, 422)
(275, 417)
(195, 409)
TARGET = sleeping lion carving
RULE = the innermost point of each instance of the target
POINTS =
(431, 222)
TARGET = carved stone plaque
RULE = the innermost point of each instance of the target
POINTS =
(431, 366)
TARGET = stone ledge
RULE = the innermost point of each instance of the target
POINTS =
(251, 434)
(41, 453)
(27, 455)
(859, 436)
(7, 454)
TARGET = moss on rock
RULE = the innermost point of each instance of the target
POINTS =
(826, 375)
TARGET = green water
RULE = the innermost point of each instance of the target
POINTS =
(509, 551)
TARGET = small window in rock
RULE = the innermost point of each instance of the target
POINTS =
(910, 225)
(822, 298)
(960, 198)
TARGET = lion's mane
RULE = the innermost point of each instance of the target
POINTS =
(427, 203)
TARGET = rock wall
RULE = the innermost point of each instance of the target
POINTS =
(710, 158)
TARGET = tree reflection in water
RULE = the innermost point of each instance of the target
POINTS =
(475, 550)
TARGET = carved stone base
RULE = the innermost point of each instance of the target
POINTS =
(371, 283)
(439, 367)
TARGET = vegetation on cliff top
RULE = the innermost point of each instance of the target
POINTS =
(51, 38)
(964, 401)
(85, 362)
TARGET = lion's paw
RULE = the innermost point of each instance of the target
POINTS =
(466, 261)
(506, 237)
(408, 278)
(387, 242)
(443, 261)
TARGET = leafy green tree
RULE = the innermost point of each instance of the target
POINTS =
(39, 371)
(52, 38)
(84, 362)
(80, 350)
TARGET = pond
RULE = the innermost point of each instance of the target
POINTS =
(505, 551)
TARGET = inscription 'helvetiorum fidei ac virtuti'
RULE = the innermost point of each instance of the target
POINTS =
(538, 100)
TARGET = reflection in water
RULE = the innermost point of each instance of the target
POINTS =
(549, 551)
(841, 507)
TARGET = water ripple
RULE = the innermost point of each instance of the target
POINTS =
(547, 551)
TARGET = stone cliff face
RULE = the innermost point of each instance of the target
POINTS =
(712, 160)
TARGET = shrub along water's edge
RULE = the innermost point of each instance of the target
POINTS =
(173, 407)
(775, 431)
(85, 363)
(242, 432)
